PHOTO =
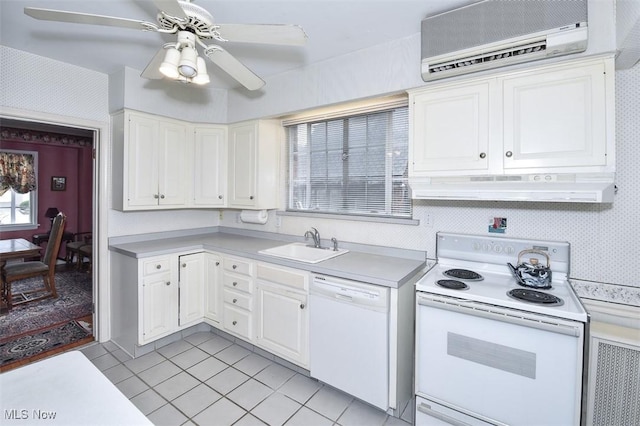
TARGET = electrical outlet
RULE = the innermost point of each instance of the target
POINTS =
(427, 220)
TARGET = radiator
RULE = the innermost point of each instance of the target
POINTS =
(614, 383)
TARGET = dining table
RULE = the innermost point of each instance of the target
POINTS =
(14, 248)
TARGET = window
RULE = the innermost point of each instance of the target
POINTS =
(18, 194)
(351, 165)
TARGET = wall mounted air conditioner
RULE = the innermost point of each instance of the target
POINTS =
(496, 33)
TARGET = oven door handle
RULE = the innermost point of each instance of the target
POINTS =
(476, 310)
(426, 409)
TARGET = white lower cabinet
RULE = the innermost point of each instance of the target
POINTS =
(213, 287)
(281, 315)
(237, 279)
(192, 284)
(158, 313)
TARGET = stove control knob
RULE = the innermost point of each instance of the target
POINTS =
(476, 246)
(509, 250)
(497, 249)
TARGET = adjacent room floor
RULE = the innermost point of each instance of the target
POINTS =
(206, 379)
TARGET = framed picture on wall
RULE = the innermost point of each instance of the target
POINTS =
(58, 183)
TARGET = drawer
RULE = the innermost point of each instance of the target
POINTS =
(237, 299)
(154, 266)
(237, 282)
(237, 321)
(280, 275)
(239, 266)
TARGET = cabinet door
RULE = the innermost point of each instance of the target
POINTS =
(192, 284)
(282, 322)
(450, 129)
(213, 287)
(141, 170)
(555, 118)
(242, 165)
(210, 167)
(159, 313)
(174, 151)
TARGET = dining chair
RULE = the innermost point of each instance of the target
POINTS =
(45, 268)
(72, 248)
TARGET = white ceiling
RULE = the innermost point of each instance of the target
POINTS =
(334, 28)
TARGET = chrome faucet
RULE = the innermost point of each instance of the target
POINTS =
(313, 233)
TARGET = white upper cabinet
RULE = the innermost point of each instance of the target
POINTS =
(151, 162)
(254, 157)
(210, 166)
(555, 118)
(451, 128)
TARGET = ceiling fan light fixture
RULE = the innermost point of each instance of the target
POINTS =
(188, 66)
(203, 76)
(169, 66)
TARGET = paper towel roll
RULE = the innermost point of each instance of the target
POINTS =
(254, 216)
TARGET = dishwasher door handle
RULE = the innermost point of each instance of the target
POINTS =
(343, 297)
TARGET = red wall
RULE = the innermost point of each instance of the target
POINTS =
(76, 164)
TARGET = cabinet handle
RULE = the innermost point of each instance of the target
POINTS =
(217, 263)
(251, 197)
(235, 283)
(162, 196)
(155, 196)
(483, 155)
(158, 266)
(508, 154)
(235, 322)
(168, 283)
(235, 300)
(302, 306)
(219, 197)
(234, 266)
(184, 265)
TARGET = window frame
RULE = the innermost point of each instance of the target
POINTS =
(391, 214)
(33, 199)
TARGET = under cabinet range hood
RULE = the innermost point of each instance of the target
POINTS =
(495, 33)
(533, 188)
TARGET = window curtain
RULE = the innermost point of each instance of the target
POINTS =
(17, 172)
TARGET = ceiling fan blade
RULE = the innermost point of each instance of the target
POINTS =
(171, 7)
(234, 68)
(152, 70)
(87, 18)
(291, 35)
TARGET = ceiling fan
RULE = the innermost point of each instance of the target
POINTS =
(194, 27)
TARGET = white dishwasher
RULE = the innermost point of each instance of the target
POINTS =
(349, 337)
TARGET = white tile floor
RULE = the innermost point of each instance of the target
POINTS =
(206, 379)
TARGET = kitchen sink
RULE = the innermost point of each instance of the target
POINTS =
(302, 252)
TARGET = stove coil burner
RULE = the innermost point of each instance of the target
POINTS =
(534, 296)
(452, 284)
(463, 274)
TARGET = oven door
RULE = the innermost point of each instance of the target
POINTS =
(497, 364)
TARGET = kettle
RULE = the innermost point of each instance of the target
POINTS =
(532, 273)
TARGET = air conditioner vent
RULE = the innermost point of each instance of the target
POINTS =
(503, 55)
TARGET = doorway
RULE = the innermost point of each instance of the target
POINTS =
(89, 188)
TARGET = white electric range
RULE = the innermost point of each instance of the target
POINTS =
(484, 356)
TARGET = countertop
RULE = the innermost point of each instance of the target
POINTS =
(376, 265)
(66, 389)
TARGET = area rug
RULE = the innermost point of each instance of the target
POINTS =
(16, 349)
(74, 301)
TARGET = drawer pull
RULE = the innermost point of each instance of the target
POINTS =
(302, 306)
(217, 263)
(158, 266)
(168, 283)
(235, 283)
(235, 300)
(234, 266)
(235, 322)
